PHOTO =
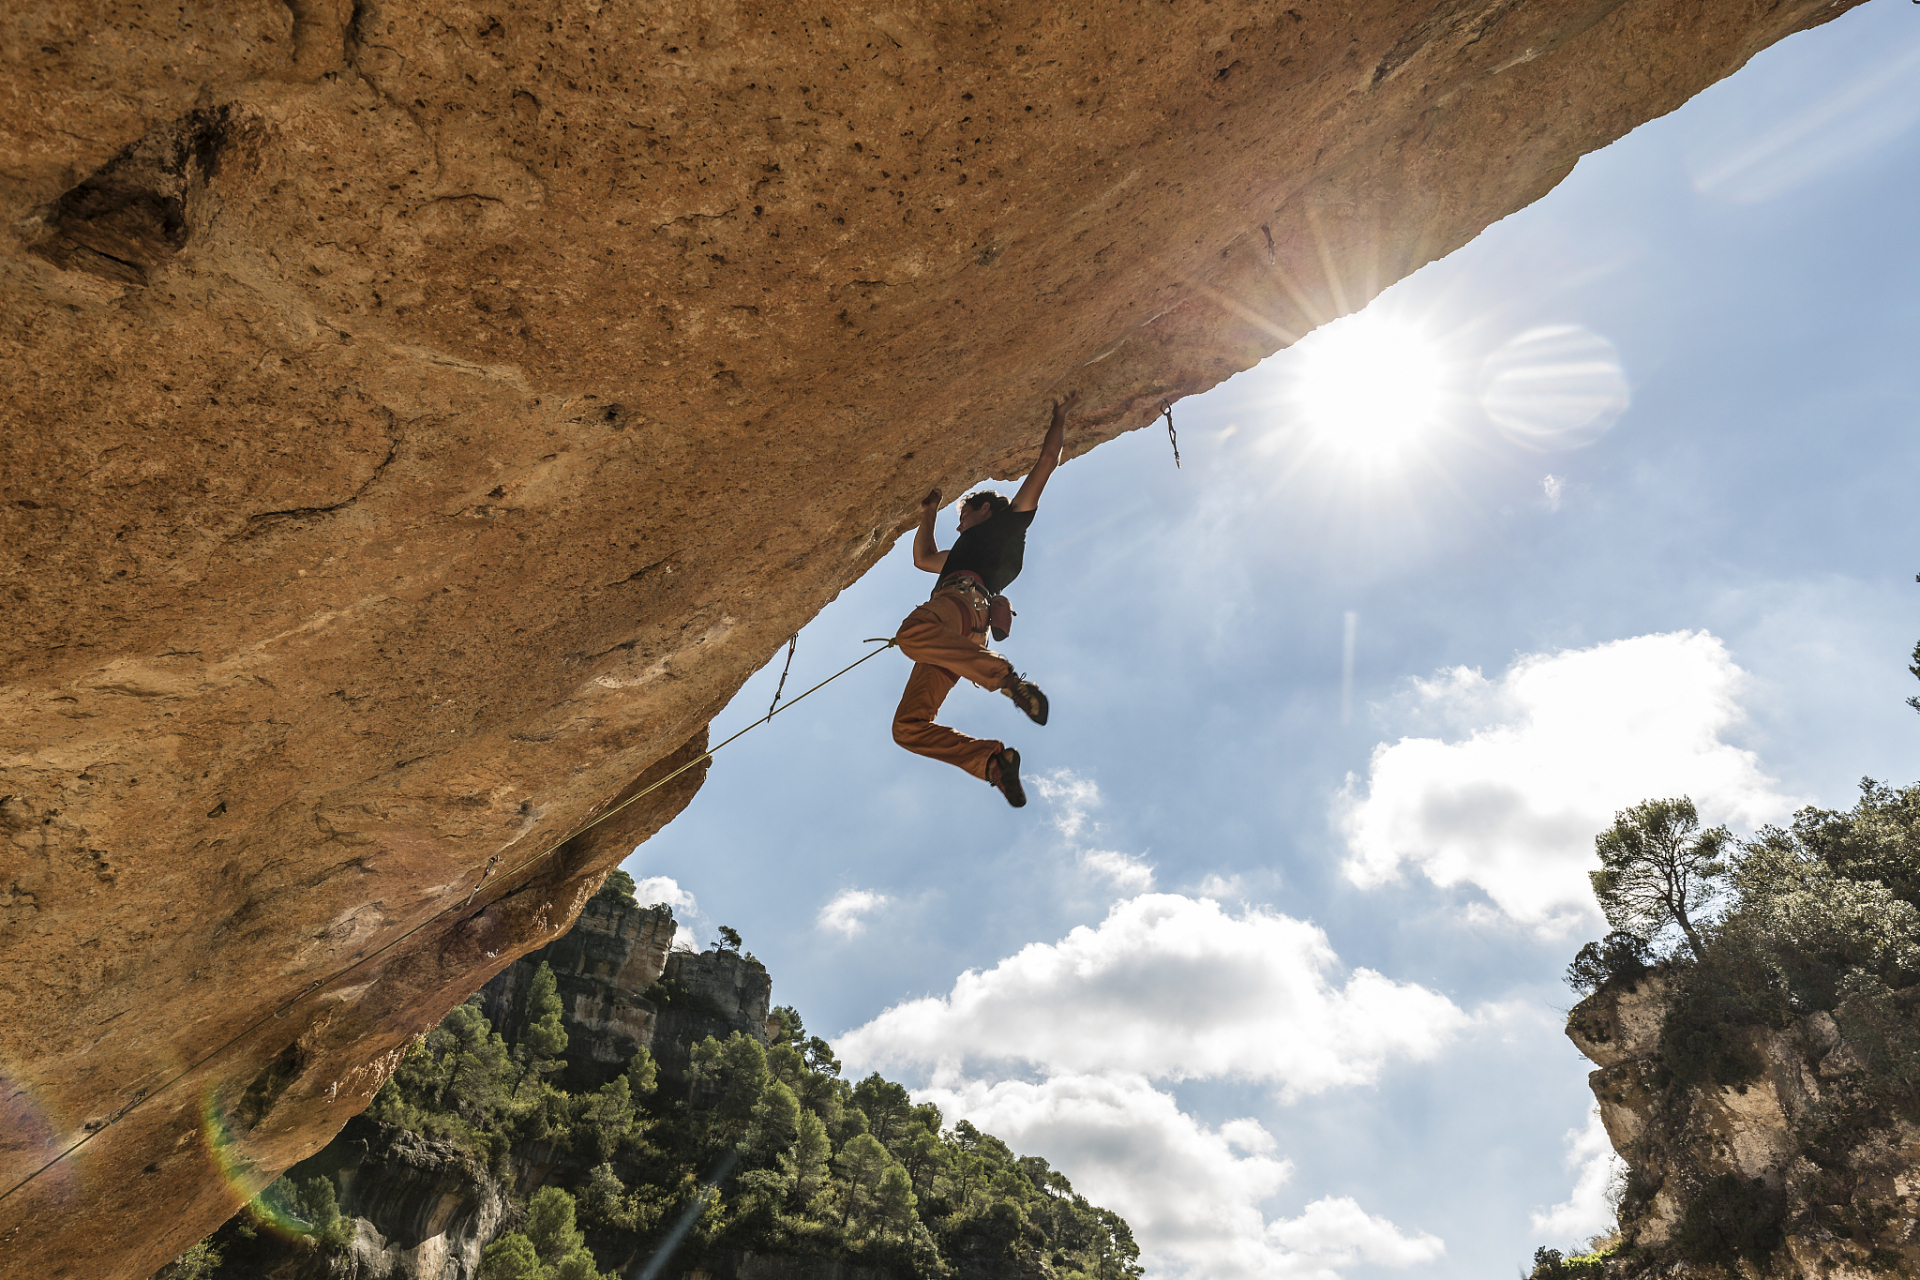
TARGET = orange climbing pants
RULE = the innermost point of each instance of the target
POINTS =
(941, 638)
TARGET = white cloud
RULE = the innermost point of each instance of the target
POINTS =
(1072, 798)
(1336, 1232)
(1588, 1211)
(1171, 987)
(1224, 888)
(844, 915)
(1547, 755)
(664, 889)
(1128, 873)
(1192, 1194)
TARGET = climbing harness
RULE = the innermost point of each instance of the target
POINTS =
(144, 1095)
(1167, 410)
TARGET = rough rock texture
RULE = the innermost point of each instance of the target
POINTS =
(1848, 1203)
(420, 1210)
(708, 993)
(602, 969)
(416, 421)
(621, 987)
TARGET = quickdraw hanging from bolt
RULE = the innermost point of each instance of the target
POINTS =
(781, 688)
(483, 879)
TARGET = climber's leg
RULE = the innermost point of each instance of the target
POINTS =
(938, 637)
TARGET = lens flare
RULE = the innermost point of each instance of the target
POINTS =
(1754, 160)
(1368, 385)
(29, 1140)
(1558, 387)
(240, 1175)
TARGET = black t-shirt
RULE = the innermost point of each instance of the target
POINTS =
(994, 549)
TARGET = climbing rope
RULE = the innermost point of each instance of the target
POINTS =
(144, 1096)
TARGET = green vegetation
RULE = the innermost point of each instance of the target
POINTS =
(549, 1247)
(198, 1263)
(1822, 919)
(1819, 917)
(1550, 1264)
(305, 1212)
(619, 887)
(769, 1150)
(763, 1148)
(1657, 867)
(1914, 702)
(1619, 957)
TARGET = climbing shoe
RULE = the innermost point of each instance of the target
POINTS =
(1026, 695)
(1003, 771)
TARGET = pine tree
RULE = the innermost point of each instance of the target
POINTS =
(1657, 868)
(550, 1224)
(862, 1162)
(545, 1038)
(808, 1159)
(510, 1257)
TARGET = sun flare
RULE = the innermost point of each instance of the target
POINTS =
(1369, 385)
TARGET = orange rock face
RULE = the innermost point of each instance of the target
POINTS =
(418, 421)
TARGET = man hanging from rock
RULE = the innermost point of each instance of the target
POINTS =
(946, 636)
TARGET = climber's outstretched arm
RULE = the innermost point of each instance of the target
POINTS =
(926, 553)
(1029, 496)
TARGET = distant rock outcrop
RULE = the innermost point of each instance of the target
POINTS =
(604, 968)
(417, 421)
(417, 1210)
(1774, 1177)
(621, 987)
(421, 1208)
(709, 993)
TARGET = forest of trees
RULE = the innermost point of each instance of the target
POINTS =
(764, 1148)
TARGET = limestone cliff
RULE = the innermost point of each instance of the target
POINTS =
(709, 993)
(1777, 1177)
(604, 966)
(417, 421)
(419, 1209)
(622, 988)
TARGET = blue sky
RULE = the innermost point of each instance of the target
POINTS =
(1280, 983)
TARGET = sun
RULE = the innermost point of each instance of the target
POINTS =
(1368, 385)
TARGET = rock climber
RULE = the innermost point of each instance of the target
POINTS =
(946, 636)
